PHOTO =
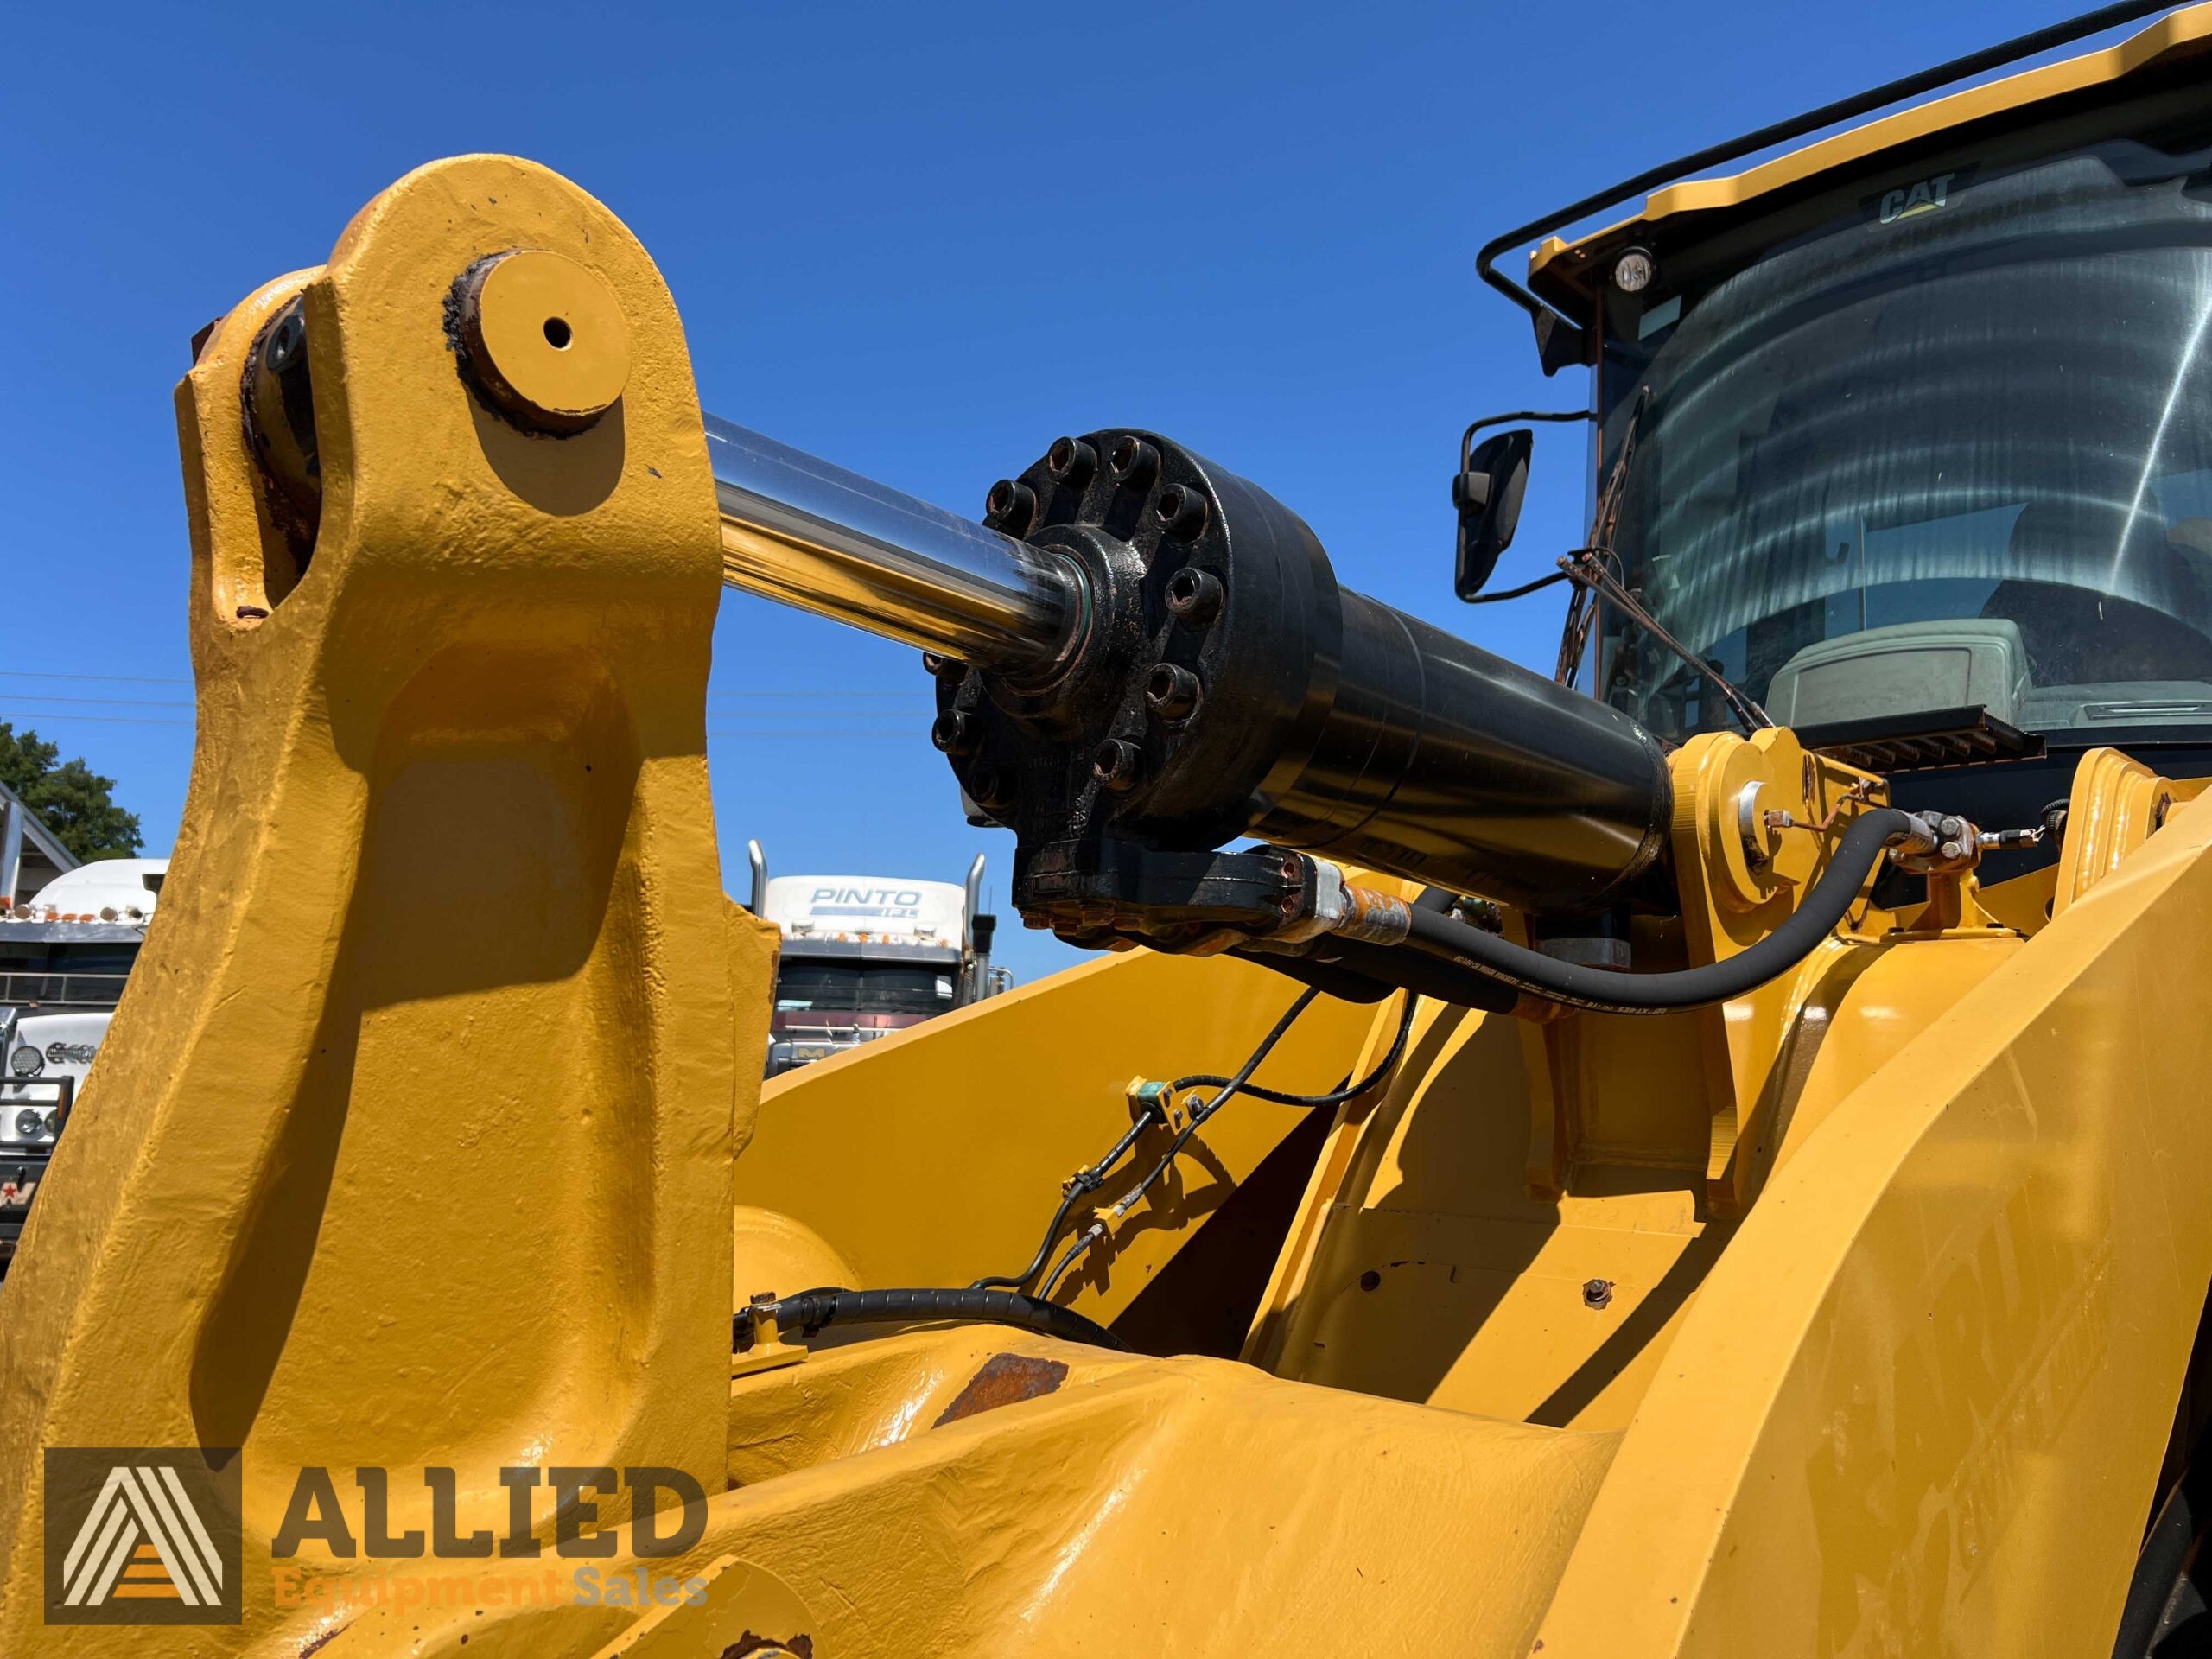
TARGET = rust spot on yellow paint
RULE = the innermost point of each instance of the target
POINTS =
(1005, 1380)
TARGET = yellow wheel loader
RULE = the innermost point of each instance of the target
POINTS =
(1707, 1151)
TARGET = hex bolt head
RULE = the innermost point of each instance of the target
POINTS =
(1071, 461)
(1011, 507)
(1596, 1293)
(1115, 763)
(1181, 512)
(986, 784)
(956, 733)
(1194, 595)
(1172, 691)
(1132, 461)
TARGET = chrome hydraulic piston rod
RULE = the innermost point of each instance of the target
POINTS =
(1143, 657)
(802, 532)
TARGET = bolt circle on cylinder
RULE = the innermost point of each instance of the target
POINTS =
(1133, 461)
(1182, 512)
(954, 733)
(1172, 691)
(1010, 507)
(1114, 764)
(988, 785)
(1071, 461)
(1194, 595)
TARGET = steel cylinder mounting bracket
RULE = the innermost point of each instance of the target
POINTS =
(444, 912)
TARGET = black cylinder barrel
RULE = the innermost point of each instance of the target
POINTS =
(1440, 761)
(1239, 690)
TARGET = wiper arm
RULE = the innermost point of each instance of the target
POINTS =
(1587, 568)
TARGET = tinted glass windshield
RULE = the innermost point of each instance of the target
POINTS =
(88, 974)
(870, 987)
(1953, 447)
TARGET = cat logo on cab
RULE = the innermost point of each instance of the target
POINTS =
(1924, 197)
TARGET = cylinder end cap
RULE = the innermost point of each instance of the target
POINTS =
(544, 339)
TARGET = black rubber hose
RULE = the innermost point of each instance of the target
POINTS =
(810, 1310)
(1606, 991)
(1333, 1097)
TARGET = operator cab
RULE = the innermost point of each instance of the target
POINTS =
(1918, 433)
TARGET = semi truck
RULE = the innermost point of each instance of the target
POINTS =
(863, 957)
(64, 957)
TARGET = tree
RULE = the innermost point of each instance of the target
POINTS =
(72, 800)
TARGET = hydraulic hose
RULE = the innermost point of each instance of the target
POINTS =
(810, 1310)
(1607, 991)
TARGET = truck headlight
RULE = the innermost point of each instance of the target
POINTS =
(28, 1123)
(27, 1062)
(53, 1121)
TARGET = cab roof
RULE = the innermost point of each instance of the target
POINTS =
(1561, 271)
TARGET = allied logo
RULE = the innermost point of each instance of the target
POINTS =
(142, 1535)
(64, 1053)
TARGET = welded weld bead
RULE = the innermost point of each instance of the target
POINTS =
(1010, 507)
(1181, 512)
(1071, 461)
(544, 337)
(1132, 461)
(1115, 763)
(1194, 595)
(1172, 691)
(955, 732)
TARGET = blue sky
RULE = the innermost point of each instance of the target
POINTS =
(919, 240)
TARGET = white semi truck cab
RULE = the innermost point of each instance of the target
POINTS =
(863, 957)
(64, 956)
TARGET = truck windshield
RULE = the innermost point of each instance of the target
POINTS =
(862, 988)
(88, 975)
(1953, 447)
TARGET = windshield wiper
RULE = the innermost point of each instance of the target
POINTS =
(1587, 569)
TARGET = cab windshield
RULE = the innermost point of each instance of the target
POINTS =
(1952, 446)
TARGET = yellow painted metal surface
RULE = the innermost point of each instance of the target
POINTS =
(1921, 1401)
(411, 1144)
(982, 1113)
(1848, 1317)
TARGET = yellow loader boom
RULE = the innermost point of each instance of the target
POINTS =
(1700, 1152)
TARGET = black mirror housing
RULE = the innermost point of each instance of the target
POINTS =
(1488, 495)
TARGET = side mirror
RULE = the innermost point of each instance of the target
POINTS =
(1488, 495)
